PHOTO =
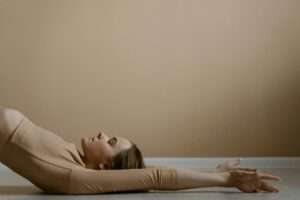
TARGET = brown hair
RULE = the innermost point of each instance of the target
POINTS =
(131, 158)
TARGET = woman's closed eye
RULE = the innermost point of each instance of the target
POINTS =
(112, 141)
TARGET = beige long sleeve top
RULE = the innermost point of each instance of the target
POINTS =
(55, 166)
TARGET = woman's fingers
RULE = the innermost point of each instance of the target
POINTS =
(265, 186)
(268, 177)
(252, 181)
(260, 175)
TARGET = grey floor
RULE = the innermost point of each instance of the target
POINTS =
(13, 186)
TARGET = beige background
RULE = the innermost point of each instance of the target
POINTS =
(178, 77)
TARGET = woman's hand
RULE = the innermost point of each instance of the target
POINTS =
(251, 181)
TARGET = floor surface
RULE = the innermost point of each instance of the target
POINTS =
(13, 187)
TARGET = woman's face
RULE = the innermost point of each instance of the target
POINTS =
(99, 150)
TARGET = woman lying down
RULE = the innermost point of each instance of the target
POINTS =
(109, 164)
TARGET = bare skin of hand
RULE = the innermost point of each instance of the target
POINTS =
(251, 181)
(247, 179)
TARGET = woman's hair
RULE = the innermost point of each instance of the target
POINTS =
(131, 158)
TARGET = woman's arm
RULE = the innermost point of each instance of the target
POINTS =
(87, 181)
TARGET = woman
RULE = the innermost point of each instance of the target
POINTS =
(108, 164)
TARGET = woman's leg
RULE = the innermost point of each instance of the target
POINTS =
(9, 120)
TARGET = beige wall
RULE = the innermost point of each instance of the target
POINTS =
(178, 77)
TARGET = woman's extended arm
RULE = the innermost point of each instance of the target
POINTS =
(87, 181)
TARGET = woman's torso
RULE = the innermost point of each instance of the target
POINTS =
(38, 154)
